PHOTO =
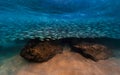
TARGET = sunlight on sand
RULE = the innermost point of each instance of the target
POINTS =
(67, 63)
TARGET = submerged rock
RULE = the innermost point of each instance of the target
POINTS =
(94, 51)
(39, 51)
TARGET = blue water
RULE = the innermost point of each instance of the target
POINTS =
(22, 19)
(33, 9)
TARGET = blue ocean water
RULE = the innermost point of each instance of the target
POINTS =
(22, 19)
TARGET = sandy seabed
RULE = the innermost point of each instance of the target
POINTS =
(67, 63)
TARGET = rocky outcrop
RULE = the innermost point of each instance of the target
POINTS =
(39, 51)
(94, 51)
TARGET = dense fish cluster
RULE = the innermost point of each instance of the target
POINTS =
(62, 29)
(55, 19)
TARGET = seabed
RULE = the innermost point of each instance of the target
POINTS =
(66, 63)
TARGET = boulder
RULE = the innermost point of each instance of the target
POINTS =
(40, 51)
(93, 51)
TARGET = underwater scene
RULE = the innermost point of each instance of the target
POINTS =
(59, 37)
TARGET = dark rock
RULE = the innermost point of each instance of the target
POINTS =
(93, 51)
(40, 51)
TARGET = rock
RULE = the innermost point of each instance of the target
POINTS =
(93, 51)
(40, 51)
